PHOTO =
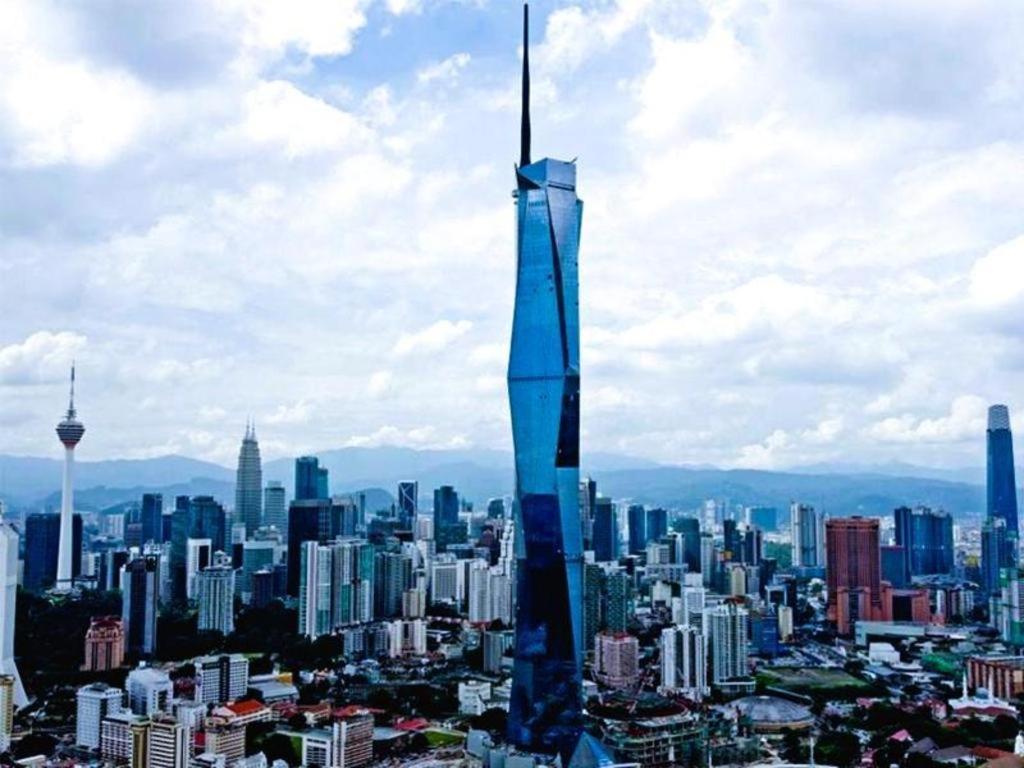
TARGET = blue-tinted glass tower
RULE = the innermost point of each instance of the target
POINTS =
(1002, 483)
(544, 397)
(636, 522)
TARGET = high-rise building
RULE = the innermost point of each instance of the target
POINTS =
(392, 576)
(42, 549)
(807, 536)
(275, 511)
(446, 507)
(7, 683)
(727, 629)
(216, 596)
(996, 553)
(140, 594)
(124, 739)
(222, 678)
(249, 483)
(636, 520)
(104, 644)
(657, 523)
(168, 743)
(93, 703)
(408, 500)
(152, 517)
(926, 537)
(605, 531)
(8, 607)
(689, 527)
(684, 662)
(1002, 483)
(853, 571)
(307, 478)
(150, 690)
(765, 518)
(309, 520)
(70, 431)
(617, 659)
(545, 713)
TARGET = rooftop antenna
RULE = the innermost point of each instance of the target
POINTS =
(71, 401)
(524, 131)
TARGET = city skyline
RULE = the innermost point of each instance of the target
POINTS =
(164, 291)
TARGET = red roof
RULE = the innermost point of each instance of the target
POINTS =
(412, 724)
(356, 709)
(246, 706)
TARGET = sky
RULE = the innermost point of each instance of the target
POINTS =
(803, 233)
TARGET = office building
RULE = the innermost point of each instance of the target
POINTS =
(853, 571)
(1002, 483)
(727, 630)
(636, 520)
(124, 739)
(319, 520)
(408, 502)
(605, 531)
(70, 431)
(216, 597)
(221, 679)
(8, 606)
(169, 743)
(996, 553)
(140, 596)
(93, 703)
(617, 660)
(104, 644)
(545, 712)
(311, 480)
(684, 662)
(807, 535)
(275, 510)
(225, 734)
(689, 528)
(151, 517)
(42, 545)
(393, 575)
(249, 483)
(765, 518)
(926, 537)
(656, 524)
(150, 690)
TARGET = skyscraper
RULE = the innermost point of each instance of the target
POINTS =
(636, 520)
(311, 480)
(9, 587)
(140, 591)
(807, 536)
(275, 511)
(70, 432)
(408, 493)
(927, 541)
(215, 587)
(545, 712)
(42, 549)
(152, 515)
(249, 483)
(605, 531)
(684, 661)
(726, 627)
(1002, 483)
(853, 571)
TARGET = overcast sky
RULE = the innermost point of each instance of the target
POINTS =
(803, 234)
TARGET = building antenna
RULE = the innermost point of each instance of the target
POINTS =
(524, 131)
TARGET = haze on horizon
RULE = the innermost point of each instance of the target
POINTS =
(803, 233)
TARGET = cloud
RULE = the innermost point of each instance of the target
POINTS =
(997, 278)
(296, 413)
(42, 358)
(446, 71)
(381, 383)
(418, 437)
(433, 338)
(966, 421)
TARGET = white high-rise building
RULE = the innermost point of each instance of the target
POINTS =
(149, 691)
(216, 595)
(221, 679)
(249, 483)
(8, 596)
(726, 627)
(684, 665)
(315, 590)
(92, 704)
(807, 533)
(70, 432)
(198, 555)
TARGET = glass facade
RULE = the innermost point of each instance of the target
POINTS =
(544, 389)
(1002, 484)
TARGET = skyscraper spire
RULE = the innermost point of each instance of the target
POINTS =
(71, 399)
(524, 130)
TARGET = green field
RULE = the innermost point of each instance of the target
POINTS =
(444, 738)
(834, 682)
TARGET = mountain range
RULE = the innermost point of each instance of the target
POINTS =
(30, 483)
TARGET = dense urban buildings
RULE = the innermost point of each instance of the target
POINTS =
(544, 387)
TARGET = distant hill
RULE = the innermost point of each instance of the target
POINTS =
(33, 483)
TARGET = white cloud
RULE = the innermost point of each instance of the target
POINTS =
(446, 71)
(381, 383)
(295, 413)
(315, 27)
(42, 358)
(997, 278)
(433, 338)
(966, 421)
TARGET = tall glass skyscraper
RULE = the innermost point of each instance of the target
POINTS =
(544, 389)
(249, 483)
(1002, 483)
